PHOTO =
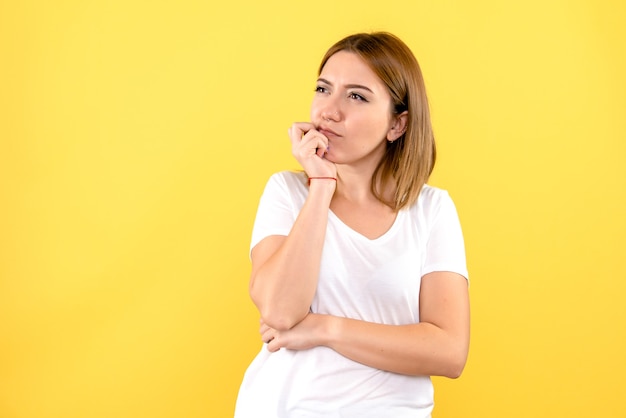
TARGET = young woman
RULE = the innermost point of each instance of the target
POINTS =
(358, 266)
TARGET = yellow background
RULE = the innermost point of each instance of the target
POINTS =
(135, 140)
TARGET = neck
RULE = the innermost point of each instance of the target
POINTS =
(355, 185)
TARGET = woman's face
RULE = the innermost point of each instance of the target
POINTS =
(352, 108)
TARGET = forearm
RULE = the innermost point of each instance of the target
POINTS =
(415, 349)
(283, 285)
(436, 346)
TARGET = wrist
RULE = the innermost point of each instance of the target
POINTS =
(323, 178)
(329, 330)
(323, 185)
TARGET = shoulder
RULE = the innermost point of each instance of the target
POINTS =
(432, 202)
(431, 197)
(288, 181)
(289, 185)
(289, 178)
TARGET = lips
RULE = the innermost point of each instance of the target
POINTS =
(327, 132)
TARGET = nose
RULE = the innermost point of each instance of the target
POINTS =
(330, 110)
(329, 115)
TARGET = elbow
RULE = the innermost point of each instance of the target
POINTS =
(280, 318)
(279, 322)
(455, 365)
(455, 371)
(277, 314)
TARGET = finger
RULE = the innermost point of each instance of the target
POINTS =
(263, 329)
(314, 140)
(273, 346)
(322, 150)
(298, 129)
(267, 336)
(303, 126)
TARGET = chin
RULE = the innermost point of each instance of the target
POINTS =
(331, 158)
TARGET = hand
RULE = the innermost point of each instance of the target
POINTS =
(309, 147)
(307, 334)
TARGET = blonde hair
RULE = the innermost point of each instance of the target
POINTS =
(410, 159)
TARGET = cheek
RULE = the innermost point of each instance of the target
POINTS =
(315, 111)
(373, 125)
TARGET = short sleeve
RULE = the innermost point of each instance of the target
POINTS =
(445, 248)
(275, 213)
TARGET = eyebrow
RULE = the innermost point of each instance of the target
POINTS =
(348, 86)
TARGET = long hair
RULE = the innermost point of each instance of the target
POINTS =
(410, 159)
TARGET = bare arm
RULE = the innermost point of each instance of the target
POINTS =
(285, 270)
(437, 346)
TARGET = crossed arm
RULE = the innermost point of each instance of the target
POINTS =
(436, 346)
(283, 284)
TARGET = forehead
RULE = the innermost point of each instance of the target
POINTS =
(346, 67)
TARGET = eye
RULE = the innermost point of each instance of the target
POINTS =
(357, 96)
(321, 89)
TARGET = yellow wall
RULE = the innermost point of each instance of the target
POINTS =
(136, 137)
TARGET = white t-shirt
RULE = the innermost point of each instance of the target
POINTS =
(372, 280)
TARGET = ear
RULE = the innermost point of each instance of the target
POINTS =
(398, 126)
